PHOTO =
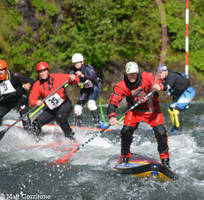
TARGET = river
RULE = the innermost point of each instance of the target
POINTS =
(28, 173)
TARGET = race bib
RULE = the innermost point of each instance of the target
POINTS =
(54, 101)
(6, 87)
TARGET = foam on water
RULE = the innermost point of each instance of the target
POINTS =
(183, 149)
(18, 145)
(87, 176)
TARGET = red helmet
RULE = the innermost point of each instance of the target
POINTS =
(42, 66)
(3, 65)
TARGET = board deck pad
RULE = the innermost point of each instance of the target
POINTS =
(142, 166)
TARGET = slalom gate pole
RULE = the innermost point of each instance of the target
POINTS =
(187, 39)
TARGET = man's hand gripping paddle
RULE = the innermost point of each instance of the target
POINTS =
(65, 158)
(34, 110)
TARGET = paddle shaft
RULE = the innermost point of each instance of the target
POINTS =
(121, 118)
(68, 156)
(2, 132)
(36, 111)
(101, 110)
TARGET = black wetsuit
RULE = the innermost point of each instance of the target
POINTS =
(15, 99)
(176, 83)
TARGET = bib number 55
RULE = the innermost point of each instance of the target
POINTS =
(54, 101)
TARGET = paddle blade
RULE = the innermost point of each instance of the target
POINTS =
(2, 133)
(65, 158)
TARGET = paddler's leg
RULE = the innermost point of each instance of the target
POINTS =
(36, 128)
(126, 140)
(131, 122)
(171, 113)
(93, 96)
(94, 112)
(176, 116)
(176, 107)
(78, 108)
(3, 111)
(180, 104)
(162, 140)
(61, 117)
(22, 106)
(78, 114)
(26, 120)
(44, 118)
(95, 117)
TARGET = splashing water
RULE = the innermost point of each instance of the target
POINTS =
(87, 176)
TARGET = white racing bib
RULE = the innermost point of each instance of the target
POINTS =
(6, 87)
(54, 101)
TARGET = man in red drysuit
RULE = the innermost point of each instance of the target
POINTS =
(134, 87)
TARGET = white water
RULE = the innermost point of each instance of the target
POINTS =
(87, 176)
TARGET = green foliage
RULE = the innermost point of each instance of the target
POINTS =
(10, 20)
(51, 8)
(104, 32)
(176, 24)
(197, 36)
(106, 29)
(13, 2)
(197, 60)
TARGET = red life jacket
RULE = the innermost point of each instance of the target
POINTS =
(136, 91)
(44, 88)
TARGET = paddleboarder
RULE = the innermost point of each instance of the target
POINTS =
(178, 86)
(90, 88)
(134, 86)
(58, 106)
(14, 88)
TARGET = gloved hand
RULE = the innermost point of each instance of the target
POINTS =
(113, 121)
(26, 86)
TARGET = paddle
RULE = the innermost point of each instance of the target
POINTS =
(101, 111)
(65, 158)
(34, 109)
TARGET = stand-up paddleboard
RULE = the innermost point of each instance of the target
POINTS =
(142, 166)
(52, 128)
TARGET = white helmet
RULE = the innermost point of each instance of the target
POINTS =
(77, 57)
(131, 67)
